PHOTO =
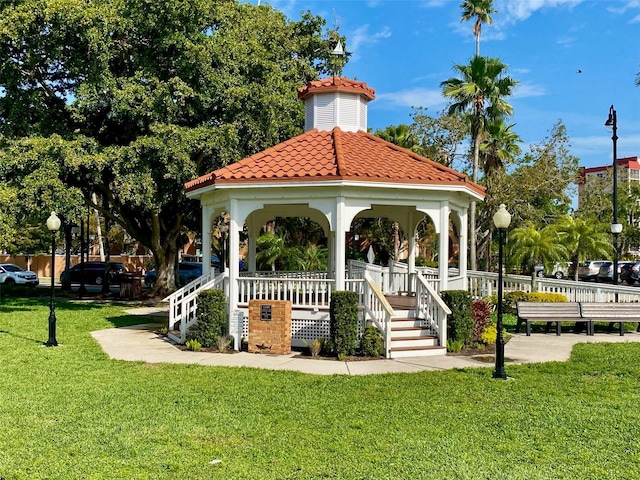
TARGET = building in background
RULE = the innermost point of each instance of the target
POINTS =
(628, 172)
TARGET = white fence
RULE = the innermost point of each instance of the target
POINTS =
(482, 284)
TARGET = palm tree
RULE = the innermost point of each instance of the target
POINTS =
(480, 91)
(529, 245)
(584, 238)
(500, 146)
(481, 11)
(400, 135)
(499, 149)
(270, 249)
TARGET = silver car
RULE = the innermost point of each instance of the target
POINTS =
(589, 270)
(11, 274)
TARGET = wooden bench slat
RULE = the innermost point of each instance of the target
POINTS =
(551, 313)
(587, 312)
(612, 313)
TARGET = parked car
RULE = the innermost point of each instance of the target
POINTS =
(631, 274)
(625, 272)
(93, 273)
(605, 274)
(560, 270)
(187, 272)
(589, 270)
(11, 274)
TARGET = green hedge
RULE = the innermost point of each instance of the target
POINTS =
(343, 312)
(509, 299)
(460, 322)
(212, 318)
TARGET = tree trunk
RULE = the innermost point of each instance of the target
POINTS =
(472, 209)
(68, 238)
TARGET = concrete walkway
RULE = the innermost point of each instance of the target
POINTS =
(141, 343)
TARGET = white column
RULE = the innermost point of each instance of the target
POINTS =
(253, 231)
(235, 325)
(443, 251)
(340, 228)
(463, 250)
(207, 212)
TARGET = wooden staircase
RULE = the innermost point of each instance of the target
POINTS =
(409, 336)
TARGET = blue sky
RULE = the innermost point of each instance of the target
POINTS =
(405, 48)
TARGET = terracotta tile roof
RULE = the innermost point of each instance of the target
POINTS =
(320, 156)
(336, 84)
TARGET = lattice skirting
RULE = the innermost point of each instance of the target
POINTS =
(304, 328)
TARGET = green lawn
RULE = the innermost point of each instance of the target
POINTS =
(70, 412)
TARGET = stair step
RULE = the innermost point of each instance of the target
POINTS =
(414, 342)
(402, 302)
(406, 323)
(399, 352)
(412, 332)
(413, 337)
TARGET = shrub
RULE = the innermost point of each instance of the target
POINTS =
(315, 347)
(371, 343)
(193, 345)
(481, 314)
(510, 299)
(224, 342)
(212, 318)
(454, 346)
(343, 313)
(460, 322)
(488, 336)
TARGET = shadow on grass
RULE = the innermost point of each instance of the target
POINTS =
(130, 320)
(22, 337)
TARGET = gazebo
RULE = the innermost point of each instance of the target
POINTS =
(334, 173)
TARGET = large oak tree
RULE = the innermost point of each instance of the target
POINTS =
(129, 99)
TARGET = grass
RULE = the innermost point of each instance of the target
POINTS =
(72, 413)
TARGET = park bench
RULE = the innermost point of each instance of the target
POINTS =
(551, 313)
(612, 313)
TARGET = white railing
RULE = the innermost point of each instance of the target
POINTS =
(301, 292)
(306, 274)
(399, 278)
(183, 303)
(482, 284)
(431, 308)
(378, 310)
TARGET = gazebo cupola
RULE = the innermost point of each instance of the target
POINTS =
(336, 102)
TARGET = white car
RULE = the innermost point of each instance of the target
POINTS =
(11, 274)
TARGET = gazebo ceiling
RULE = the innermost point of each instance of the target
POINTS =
(327, 156)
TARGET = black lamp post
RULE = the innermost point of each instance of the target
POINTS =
(616, 228)
(53, 224)
(501, 220)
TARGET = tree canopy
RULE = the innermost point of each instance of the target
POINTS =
(128, 100)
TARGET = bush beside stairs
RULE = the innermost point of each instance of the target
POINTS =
(409, 338)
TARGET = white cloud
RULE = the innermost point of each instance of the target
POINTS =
(635, 19)
(522, 9)
(620, 8)
(566, 41)
(414, 97)
(361, 36)
(525, 90)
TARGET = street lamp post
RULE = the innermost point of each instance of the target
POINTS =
(53, 224)
(616, 228)
(501, 219)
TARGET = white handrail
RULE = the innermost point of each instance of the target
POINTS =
(378, 309)
(431, 307)
(180, 299)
